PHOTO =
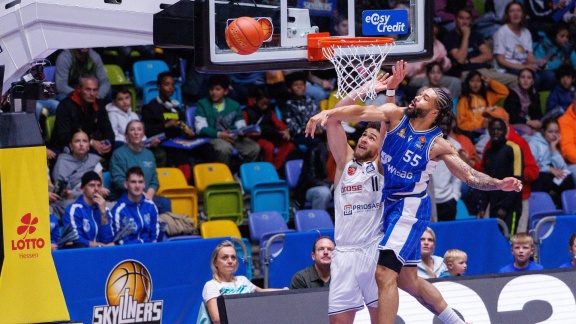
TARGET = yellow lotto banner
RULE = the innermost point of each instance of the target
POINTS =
(29, 286)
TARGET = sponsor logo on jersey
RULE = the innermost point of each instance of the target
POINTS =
(360, 208)
(409, 138)
(402, 133)
(385, 158)
(421, 144)
(350, 189)
(370, 168)
(402, 174)
(351, 170)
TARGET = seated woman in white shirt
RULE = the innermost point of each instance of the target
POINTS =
(431, 266)
(224, 264)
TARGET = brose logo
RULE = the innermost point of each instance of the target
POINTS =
(350, 189)
(128, 293)
(26, 243)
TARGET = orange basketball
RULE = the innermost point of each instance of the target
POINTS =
(129, 277)
(267, 28)
(244, 35)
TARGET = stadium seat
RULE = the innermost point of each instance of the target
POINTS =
(267, 191)
(462, 211)
(118, 78)
(312, 220)
(292, 170)
(569, 201)
(227, 228)
(262, 227)
(150, 91)
(106, 179)
(184, 198)
(223, 197)
(540, 206)
(190, 114)
(543, 98)
(49, 73)
(146, 72)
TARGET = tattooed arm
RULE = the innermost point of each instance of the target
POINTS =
(443, 150)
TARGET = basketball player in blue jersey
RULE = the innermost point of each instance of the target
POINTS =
(412, 148)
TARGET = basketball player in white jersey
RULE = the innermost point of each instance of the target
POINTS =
(358, 210)
(409, 154)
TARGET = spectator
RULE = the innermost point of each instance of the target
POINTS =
(572, 249)
(503, 159)
(298, 109)
(479, 92)
(219, 117)
(82, 110)
(340, 26)
(446, 185)
(561, 96)
(431, 266)
(531, 169)
(70, 168)
(274, 133)
(543, 15)
(419, 74)
(434, 76)
(469, 52)
(523, 104)
(522, 250)
(54, 232)
(135, 210)
(488, 24)
(163, 115)
(135, 154)
(567, 123)
(242, 85)
(456, 262)
(318, 274)
(224, 264)
(554, 175)
(554, 50)
(89, 215)
(445, 11)
(75, 63)
(120, 114)
(513, 43)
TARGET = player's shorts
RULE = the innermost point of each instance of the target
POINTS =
(405, 220)
(353, 279)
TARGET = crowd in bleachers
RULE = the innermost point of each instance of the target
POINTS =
(508, 66)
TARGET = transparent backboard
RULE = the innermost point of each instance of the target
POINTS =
(409, 22)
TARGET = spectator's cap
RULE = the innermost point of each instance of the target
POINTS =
(497, 112)
(89, 176)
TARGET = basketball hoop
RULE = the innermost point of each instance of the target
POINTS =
(357, 61)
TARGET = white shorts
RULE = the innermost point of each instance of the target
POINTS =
(353, 279)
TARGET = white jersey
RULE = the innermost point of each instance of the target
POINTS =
(358, 206)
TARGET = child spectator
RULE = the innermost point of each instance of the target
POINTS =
(456, 262)
(554, 176)
(478, 93)
(572, 249)
(163, 115)
(553, 50)
(219, 117)
(135, 210)
(120, 114)
(298, 109)
(523, 104)
(561, 96)
(274, 133)
(522, 250)
(503, 159)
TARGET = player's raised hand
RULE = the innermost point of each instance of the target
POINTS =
(510, 184)
(318, 119)
(398, 74)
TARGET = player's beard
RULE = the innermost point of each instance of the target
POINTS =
(415, 113)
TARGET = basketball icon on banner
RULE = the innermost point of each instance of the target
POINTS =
(244, 35)
(130, 275)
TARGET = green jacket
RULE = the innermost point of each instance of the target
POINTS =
(208, 122)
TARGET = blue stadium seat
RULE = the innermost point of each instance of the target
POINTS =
(312, 220)
(569, 201)
(267, 191)
(540, 206)
(146, 72)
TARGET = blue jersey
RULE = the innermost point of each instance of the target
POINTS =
(405, 160)
(145, 217)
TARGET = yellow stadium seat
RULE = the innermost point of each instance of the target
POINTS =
(184, 198)
(543, 98)
(219, 228)
(49, 126)
(117, 78)
(206, 174)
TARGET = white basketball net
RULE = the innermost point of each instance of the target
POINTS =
(357, 68)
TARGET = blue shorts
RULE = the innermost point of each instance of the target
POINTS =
(405, 220)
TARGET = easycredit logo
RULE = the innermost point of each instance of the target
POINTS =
(26, 228)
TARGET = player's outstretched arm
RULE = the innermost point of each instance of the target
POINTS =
(445, 151)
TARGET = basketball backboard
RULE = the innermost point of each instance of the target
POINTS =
(409, 22)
